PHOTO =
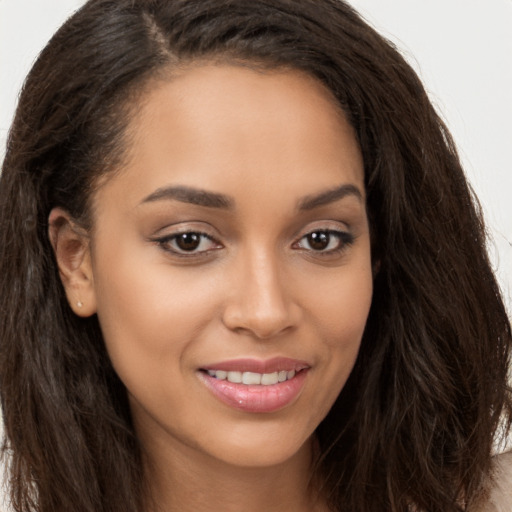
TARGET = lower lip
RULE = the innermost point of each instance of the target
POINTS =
(256, 398)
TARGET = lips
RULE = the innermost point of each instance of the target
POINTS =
(256, 386)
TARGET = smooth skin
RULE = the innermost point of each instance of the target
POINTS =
(237, 229)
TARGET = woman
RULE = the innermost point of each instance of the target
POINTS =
(241, 268)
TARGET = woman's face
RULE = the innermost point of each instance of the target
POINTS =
(233, 247)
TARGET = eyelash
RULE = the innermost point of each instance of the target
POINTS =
(164, 243)
(345, 240)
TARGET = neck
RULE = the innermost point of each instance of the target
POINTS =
(181, 480)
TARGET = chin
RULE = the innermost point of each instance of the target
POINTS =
(265, 448)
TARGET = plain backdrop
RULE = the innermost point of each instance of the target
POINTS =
(462, 50)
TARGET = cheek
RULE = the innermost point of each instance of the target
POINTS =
(343, 309)
(344, 304)
(147, 312)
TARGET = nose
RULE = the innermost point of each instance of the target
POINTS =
(260, 304)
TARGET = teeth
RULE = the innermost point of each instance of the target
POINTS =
(221, 374)
(267, 379)
(252, 378)
(235, 377)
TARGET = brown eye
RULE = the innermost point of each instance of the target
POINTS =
(188, 241)
(318, 240)
(326, 241)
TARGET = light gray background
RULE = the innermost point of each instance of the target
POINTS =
(462, 50)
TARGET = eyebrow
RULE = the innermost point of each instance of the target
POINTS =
(328, 197)
(191, 195)
(209, 199)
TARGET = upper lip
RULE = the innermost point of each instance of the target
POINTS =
(276, 364)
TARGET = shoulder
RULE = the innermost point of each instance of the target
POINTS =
(498, 491)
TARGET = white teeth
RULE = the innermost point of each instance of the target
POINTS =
(252, 378)
(235, 377)
(267, 379)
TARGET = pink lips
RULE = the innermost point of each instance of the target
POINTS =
(257, 398)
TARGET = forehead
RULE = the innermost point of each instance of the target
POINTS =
(233, 127)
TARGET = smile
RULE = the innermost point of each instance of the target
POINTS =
(256, 386)
(252, 378)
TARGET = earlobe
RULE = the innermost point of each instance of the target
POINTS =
(71, 248)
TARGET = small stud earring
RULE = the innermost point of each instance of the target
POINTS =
(79, 304)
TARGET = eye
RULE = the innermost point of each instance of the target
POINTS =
(325, 241)
(188, 243)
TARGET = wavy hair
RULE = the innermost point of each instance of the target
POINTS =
(415, 423)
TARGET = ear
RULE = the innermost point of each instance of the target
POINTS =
(71, 247)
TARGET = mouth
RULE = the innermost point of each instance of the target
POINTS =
(255, 386)
(253, 378)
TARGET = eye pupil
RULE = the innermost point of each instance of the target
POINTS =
(188, 241)
(318, 240)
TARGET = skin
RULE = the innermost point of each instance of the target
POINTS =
(268, 141)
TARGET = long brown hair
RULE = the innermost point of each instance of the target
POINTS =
(414, 425)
